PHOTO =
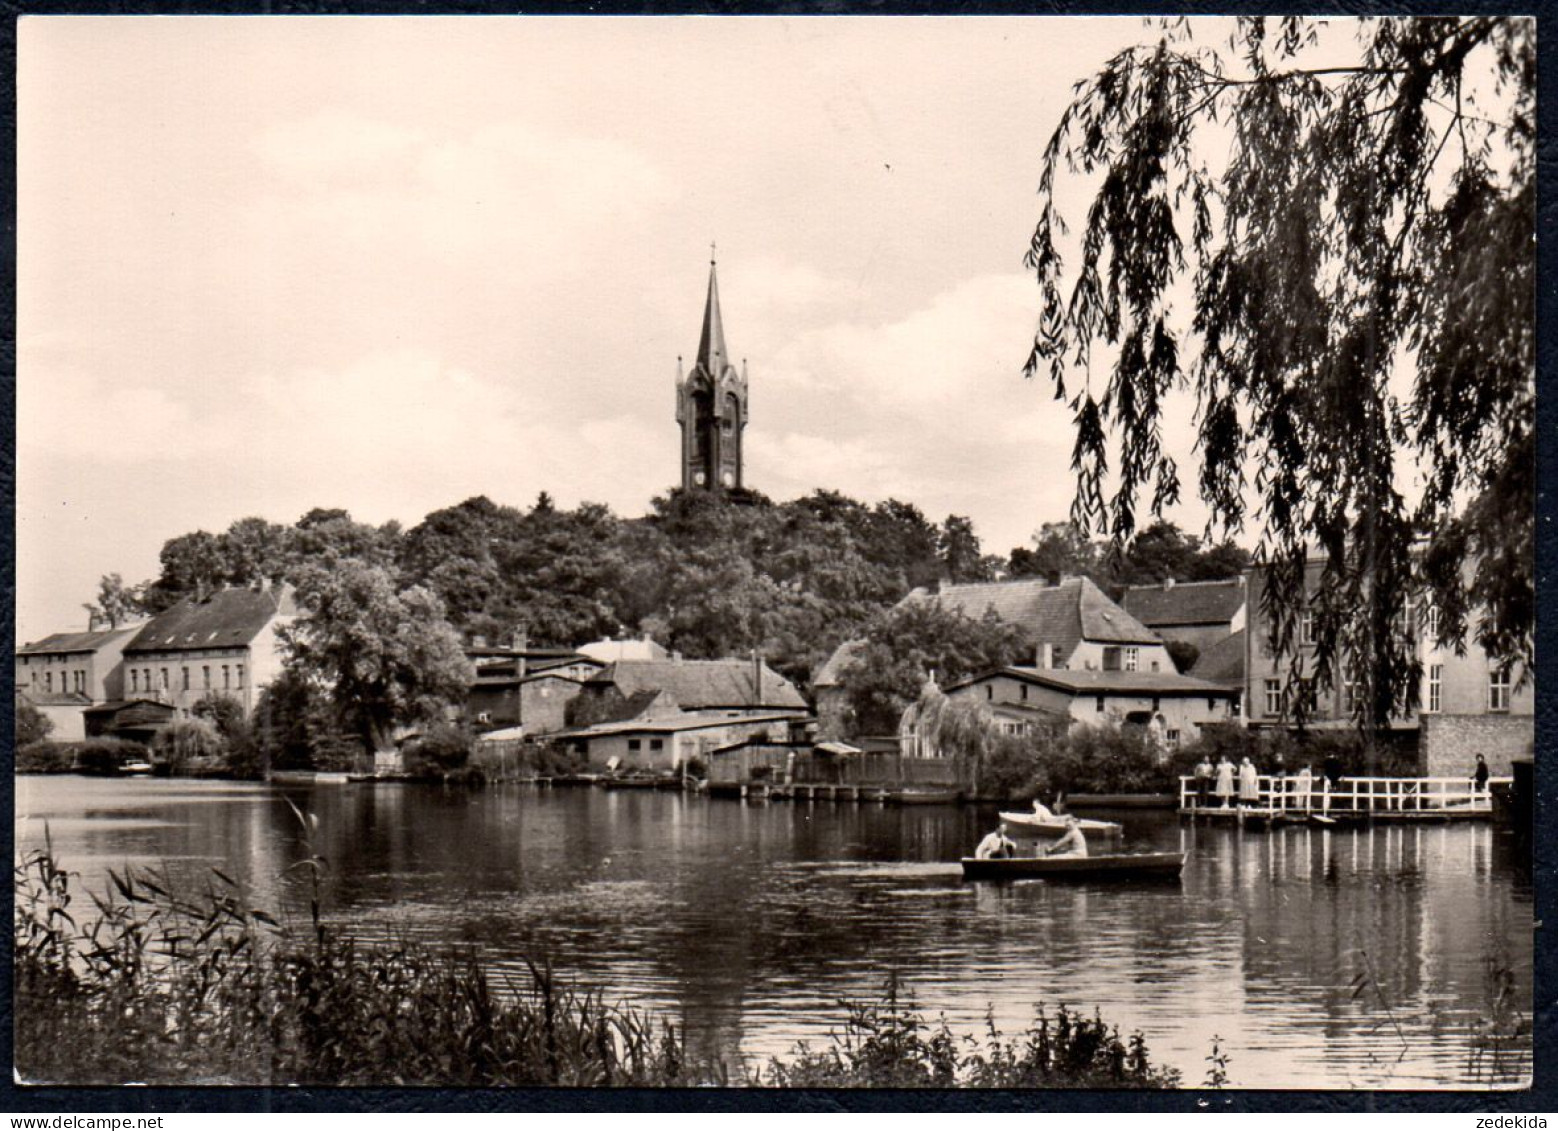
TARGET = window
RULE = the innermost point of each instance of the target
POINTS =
(1211, 704)
(1112, 659)
(227, 678)
(186, 679)
(657, 744)
(1100, 703)
(1154, 665)
(1273, 697)
(238, 675)
(989, 691)
(1022, 693)
(205, 674)
(48, 681)
(164, 679)
(1054, 657)
(1431, 623)
(1157, 704)
(146, 678)
(135, 680)
(1498, 689)
(1172, 738)
(1130, 657)
(1435, 687)
(1306, 627)
(635, 744)
(1350, 691)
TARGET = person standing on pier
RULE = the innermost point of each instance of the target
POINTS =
(1204, 773)
(1224, 780)
(1302, 787)
(1479, 776)
(1249, 783)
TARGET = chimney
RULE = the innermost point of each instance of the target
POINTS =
(93, 618)
(757, 679)
(1041, 657)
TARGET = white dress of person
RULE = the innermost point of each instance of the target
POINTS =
(1042, 811)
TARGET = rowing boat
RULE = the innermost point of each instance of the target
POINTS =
(1032, 825)
(1132, 866)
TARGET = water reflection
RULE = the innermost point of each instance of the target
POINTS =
(1320, 957)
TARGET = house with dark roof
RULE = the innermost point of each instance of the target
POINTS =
(727, 687)
(1072, 626)
(521, 686)
(1200, 613)
(669, 741)
(220, 644)
(714, 702)
(67, 672)
(1172, 706)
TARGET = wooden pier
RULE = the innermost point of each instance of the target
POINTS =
(1285, 800)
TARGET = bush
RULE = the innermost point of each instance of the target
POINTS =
(186, 744)
(32, 725)
(45, 758)
(1103, 759)
(84, 756)
(443, 750)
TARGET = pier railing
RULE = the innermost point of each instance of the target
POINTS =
(1447, 796)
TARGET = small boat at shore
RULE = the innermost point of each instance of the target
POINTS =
(1122, 866)
(634, 781)
(136, 769)
(1032, 825)
(921, 797)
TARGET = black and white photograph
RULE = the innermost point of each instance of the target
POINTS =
(776, 552)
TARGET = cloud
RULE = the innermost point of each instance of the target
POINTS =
(967, 339)
(501, 188)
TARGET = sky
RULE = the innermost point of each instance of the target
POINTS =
(268, 264)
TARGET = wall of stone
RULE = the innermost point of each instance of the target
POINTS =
(1448, 745)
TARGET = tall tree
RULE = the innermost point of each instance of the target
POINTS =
(117, 603)
(389, 657)
(1309, 231)
(1059, 549)
(918, 638)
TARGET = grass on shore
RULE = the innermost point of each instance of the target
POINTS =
(161, 986)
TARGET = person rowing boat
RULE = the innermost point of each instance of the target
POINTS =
(1072, 844)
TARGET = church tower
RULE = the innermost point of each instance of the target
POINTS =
(711, 407)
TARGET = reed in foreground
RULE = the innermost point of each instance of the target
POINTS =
(164, 986)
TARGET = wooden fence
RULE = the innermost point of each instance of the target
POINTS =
(1448, 796)
(799, 766)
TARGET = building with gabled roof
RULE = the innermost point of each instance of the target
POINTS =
(1072, 625)
(221, 644)
(731, 686)
(1172, 706)
(1200, 613)
(85, 664)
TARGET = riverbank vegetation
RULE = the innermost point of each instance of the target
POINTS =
(705, 575)
(155, 984)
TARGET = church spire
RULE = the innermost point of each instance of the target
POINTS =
(711, 346)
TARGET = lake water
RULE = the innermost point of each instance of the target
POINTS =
(747, 923)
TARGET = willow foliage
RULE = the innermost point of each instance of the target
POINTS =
(1338, 263)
